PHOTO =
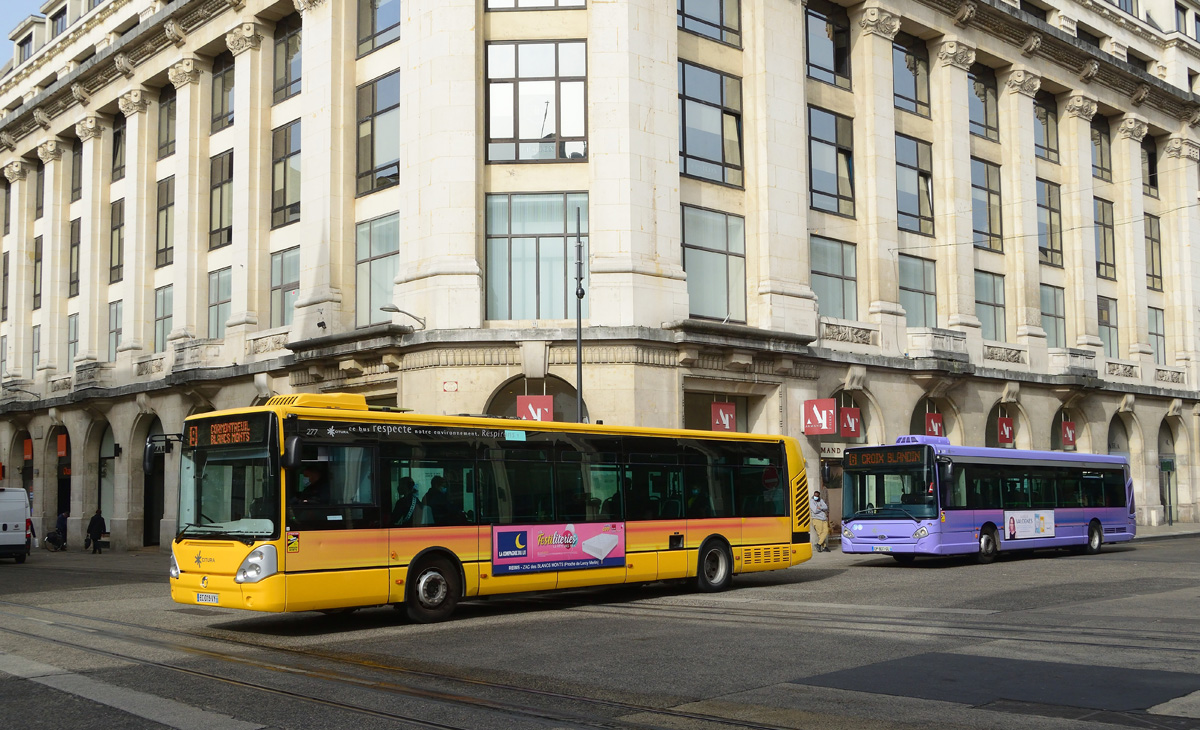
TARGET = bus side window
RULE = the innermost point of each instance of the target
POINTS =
(1114, 488)
(1093, 489)
(1068, 489)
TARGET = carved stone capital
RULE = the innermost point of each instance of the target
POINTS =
(1082, 107)
(7, 142)
(1184, 149)
(956, 54)
(184, 72)
(16, 171)
(1089, 71)
(134, 102)
(243, 38)
(880, 22)
(89, 128)
(174, 32)
(966, 11)
(303, 6)
(81, 94)
(1132, 128)
(124, 66)
(41, 118)
(1031, 44)
(1024, 82)
(50, 151)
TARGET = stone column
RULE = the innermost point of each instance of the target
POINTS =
(56, 234)
(1179, 184)
(775, 119)
(875, 153)
(137, 285)
(1129, 214)
(21, 178)
(328, 162)
(93, 272)
(251, 184)
(1079, 237)
(949, 90)
(1019, 196)
(192, 118)
(637, 273)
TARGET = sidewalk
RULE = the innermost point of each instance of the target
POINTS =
(1179, 529)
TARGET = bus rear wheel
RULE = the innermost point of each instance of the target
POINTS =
(988, 547)
(433, 592)
(1095, 539)
(714, 571)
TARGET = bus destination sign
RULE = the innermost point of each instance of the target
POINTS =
(887, 456)
(244, 430)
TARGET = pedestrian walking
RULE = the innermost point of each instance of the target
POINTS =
(95, 529)
(60, 526)
(820, 520)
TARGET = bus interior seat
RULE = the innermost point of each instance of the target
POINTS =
(672, 509)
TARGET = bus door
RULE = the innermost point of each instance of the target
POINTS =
(655, 525)
(965, 490)
(515, 504)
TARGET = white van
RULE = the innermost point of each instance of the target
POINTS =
(14, 523)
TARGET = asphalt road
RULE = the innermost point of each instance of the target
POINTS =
(1049, 640)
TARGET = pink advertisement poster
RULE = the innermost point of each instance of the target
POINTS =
(541, 548)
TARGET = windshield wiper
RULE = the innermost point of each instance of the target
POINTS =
(179, 535)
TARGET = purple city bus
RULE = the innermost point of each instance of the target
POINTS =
(923, 496)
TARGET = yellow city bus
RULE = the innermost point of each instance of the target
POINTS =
(320, 503)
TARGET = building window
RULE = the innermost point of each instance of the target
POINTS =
(58, 23)
(114, 329)
(377, 258)
(116, 242)
(285, 286)
(914, 185)
(220, 298)
(1180, 18)
(164, 244)
(1154, 267)
(24, 49)
(164, 308)
(1158, 335)
(985, 205)
(716, 19)
(984, 110)
(1049, 223)
(39, 190)
(1107, 315)
(4, 356)
(989, 304)
(167, 104)
(831, 161)
(1101, 149)
(220, 210)
(379, 134)
(285, 174)
(76, 171)
(222, 92)
(378, 24)
(1054, 315)
(714, 259)
(72, 340)
(537, 101)
(910, 74)
(918, 291)
(1149, 167)
(73, 258)
(531, 4)
(287, 57)
(4, 287)
(531, 255)
(834, 277)
(37, 272)
(6, 188)
(1106, 246)
(35, 349)
(118, 147)
(827, 28)
(1045, 127)
(710, 111)
(1034, 10)
(1129, 6)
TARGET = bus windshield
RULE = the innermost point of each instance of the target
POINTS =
(889, 492)
(228, 493)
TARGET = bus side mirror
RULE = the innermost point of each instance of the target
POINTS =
(292, 448)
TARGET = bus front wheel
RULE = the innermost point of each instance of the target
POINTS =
(715, 569)
(1095, 538)
(988, 547)
(433, 593)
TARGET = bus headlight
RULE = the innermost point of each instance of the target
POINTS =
(847, 534)
(922, 532)
(263, 561)
(174, 569)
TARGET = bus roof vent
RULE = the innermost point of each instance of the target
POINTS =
(345, 401)
(915, 439)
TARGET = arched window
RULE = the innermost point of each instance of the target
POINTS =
(504, 402)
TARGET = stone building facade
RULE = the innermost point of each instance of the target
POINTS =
(981, 210)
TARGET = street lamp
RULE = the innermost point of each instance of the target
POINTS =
(393, 309)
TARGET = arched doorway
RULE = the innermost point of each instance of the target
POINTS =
(998, 433)
(153, 493)
(930, 419)
(1066, 431)
(60, 441)
(504, 401)
(1118, 437)
(27, 464)
(108, 473)
(1168, 487)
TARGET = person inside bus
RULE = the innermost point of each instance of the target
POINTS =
(697, 503)
(314, 484)
(441, 507)
(408, 505)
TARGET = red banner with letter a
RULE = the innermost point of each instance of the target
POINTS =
(1004, 430)
(933, 425)
(535, 407)
(851, 423)
(724, 416)
(820, 417)
(1068, 434)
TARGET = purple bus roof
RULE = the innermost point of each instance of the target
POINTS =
(942, 447)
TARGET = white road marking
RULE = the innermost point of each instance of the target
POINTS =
(1186, 706)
